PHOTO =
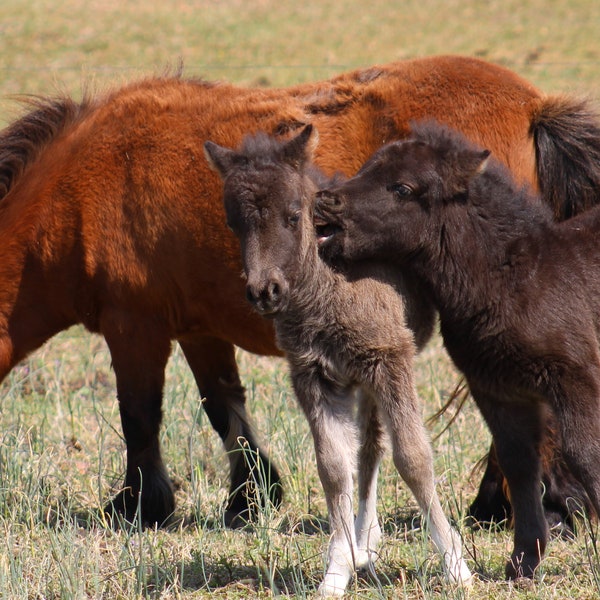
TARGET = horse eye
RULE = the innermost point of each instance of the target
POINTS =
(293, 219)
(400, 189)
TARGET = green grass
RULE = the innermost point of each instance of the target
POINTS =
(61, 451)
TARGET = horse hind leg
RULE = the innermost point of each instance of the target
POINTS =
(579, 418)
(414, 461)
(517, 429)
(254, 480)
(367, 528)
(139, 351)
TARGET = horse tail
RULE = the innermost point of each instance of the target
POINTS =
(21, 141)
(566, 135)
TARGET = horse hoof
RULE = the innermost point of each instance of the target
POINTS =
(521, 569)
(126, 507)
(243, 508)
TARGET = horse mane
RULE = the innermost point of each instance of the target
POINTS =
(500, 190)
(22, 140)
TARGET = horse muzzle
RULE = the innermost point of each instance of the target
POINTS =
(327, 216)
(270, 295)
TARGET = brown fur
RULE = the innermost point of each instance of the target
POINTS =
(110, 214)
(517, 295)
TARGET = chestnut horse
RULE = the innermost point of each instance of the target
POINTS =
(110, 214)
(517, 294)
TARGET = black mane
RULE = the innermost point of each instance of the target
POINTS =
(22, 140)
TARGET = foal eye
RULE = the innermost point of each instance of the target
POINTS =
(401, 190)
(294, 219)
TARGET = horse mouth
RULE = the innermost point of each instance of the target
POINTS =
(325, 230)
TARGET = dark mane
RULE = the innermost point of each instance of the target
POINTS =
(21, 141)
(261, 146)
(514, 205)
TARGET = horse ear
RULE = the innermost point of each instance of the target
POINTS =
(300, 148)
(220, 159)
(471, 164)
(481, 160)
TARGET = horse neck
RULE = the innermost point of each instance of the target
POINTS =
(482, 251)
(314, 281)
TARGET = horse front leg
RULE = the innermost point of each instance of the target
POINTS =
(254, 480)
(139, 351)
(367, 528)
(517, 429)
(333, 428)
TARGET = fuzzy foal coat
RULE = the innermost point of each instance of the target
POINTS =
(516, 292)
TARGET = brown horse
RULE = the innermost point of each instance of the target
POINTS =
(517, 293)
(109, 212)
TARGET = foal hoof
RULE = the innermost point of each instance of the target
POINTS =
(521, 569)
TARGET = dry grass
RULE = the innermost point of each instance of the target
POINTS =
(61, 452)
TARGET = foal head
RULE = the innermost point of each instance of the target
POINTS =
(397, 201)
(266, 194)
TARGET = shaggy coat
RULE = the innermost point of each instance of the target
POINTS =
(346, 343)
(517, 295)
(110, 214)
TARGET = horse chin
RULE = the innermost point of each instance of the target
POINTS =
(331, 250)
(271, 312)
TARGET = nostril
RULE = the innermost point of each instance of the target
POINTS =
(327, 198)
(275, 290)
(250, 295)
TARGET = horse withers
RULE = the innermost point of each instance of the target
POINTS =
(516, 292)
(346, 342)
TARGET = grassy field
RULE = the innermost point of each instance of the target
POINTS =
(61, 451)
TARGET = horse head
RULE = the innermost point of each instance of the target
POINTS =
(266, 196)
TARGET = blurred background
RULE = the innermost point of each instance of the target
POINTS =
(48, 46)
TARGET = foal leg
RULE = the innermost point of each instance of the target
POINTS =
(413, 458)
(212, 362)
(367, 528)
(578, 414)
(139, 351)
(331, 421)
(517, 429)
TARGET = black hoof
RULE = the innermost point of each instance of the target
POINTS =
(521, 568)
(246, 503)
(155, 507)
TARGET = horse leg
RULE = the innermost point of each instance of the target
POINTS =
(578, 414)
(366, 526)
(254, 480)
(139, 351)
(490, 505)
(413, 457)
(517, 429)
(331, 420)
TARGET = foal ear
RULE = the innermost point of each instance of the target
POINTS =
(300, 148)
(219, 158)
(479, 162)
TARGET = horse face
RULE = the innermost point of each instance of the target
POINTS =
(263, 210)
(263, 194)
(397, 204)
(385, 209)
